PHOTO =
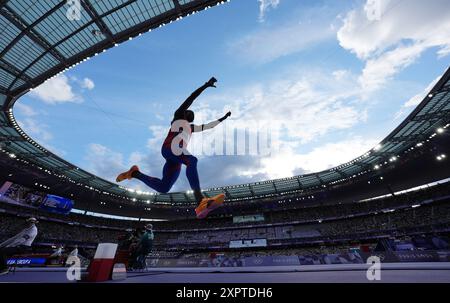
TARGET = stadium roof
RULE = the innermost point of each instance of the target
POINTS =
(39, 41)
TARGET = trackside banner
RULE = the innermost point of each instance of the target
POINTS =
(410, 256)
(347, 258)
(271, 261)
(27, 261)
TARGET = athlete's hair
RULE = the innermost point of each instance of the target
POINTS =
(189, 115)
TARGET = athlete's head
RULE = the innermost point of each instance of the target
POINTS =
(189, 116)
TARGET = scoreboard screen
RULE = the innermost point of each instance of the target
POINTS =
(249, 218)
(18, 194)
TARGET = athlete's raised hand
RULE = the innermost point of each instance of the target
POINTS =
(225, 117)
(188, 102)
(212, 82)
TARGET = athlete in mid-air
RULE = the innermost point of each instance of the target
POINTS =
(176, 142)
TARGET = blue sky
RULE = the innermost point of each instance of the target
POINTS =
(337, 76)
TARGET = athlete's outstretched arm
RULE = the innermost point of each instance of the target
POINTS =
(188, 102)
(200, 128)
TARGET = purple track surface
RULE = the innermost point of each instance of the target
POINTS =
(391, 273)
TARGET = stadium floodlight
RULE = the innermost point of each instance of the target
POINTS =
(441, 157)
(377, 167)
(378, 147)
(440, 130)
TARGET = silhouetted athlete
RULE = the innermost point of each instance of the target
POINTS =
(174, 160)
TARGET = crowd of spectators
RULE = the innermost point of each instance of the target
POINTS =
(73, 218)
(426, 216)
(316, 213)
(423, 218)
(303, 251)
(298, 214)
(54, 232)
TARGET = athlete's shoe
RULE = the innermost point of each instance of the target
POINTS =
(209, 204)
(203, 205)
(128, 174)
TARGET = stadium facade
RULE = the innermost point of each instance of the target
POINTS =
(39, 41)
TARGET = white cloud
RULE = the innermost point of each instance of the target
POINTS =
(415, 100)
(444, 51)
(265, 5)
(29, 120)
(412, 20)
(55, 90)
(62, 89)
(266, 45)
(25, 110)
(289, 162)
(104, 161)
(381, 69)
(36, 130)
(108, 163)
(306, 107)
(39, 131)
(404, 31)
(159, 132)
(232, 172)
(88, 84)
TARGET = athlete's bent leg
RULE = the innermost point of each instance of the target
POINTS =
(171, 171)
(191, 170)
(192, 175)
